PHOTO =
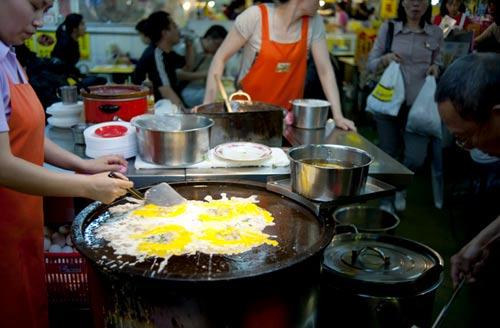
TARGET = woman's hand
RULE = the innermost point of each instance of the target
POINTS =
(388, 58)
(115, 163)
(344, 124)
(433, 70)
(105, 189)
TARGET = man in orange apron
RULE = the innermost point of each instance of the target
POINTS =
(23, 149)
(278, 68)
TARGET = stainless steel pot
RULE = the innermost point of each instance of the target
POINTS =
(377, 281)
(310, 113)
(367, 219)
(174, 140)
(249, 121)
(326, 172)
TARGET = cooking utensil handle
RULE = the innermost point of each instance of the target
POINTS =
(134, 192)
(223, 93)
(240, 93)
(357, 253)
(445, 308)
(109, 109)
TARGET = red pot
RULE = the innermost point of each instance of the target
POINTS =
(105, 102)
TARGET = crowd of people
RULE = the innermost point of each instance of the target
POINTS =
(275, 40)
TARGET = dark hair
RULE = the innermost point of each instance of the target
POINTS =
(472, 83)
(156, 23)
(215, 32)
(443, 11)
(141, 26)
(71, 22)
(426, 18)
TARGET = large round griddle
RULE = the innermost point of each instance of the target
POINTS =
(299, 232)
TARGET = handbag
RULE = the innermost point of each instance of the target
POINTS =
(373, 78)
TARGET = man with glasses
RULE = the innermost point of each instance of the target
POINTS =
(468, 97)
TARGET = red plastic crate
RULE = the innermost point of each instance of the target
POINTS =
(66, 277)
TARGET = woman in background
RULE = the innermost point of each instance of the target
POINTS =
(67, 50)
(276, 40)
(23, 180)
(416, 47)
(454, 9)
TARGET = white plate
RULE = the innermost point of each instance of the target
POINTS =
(242, 152)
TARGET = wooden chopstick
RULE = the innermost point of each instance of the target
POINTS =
(134, 192)
(222, 91)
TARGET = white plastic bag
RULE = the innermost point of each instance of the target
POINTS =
(389, 93)
(423, 117)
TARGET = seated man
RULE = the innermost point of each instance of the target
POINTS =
(161, 65)
(205, 48)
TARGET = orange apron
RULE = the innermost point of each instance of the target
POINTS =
(23, 295)
(279, 71)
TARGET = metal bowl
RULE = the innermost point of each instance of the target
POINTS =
(174, 139)
(325, 172)
(310, 113)
(367, 219)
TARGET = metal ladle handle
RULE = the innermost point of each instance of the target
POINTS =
(444, 310)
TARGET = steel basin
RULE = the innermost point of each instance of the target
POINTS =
(327, 183)
(310, 113)
(173, 139)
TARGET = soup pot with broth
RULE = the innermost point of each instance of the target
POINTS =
(325, 172)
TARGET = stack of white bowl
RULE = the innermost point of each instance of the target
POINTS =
(64, 115)
(97, 146)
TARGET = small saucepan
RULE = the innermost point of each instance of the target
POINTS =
(325, 172)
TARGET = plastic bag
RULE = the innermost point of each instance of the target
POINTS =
(389, 93)
(423, 117)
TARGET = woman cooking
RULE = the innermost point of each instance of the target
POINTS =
(23, 149)
(276, 40)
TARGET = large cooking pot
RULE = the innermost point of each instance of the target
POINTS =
(103, 103)
(172, 139)
(325, 172)
(377, 281)
(265, 287)
(249, 121)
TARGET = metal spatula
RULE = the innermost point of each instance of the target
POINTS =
(163, 195)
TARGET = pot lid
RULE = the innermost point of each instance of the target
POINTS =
(371, 263)
(117, 91)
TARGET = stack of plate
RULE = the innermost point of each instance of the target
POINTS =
(110, 138)
(64, 116)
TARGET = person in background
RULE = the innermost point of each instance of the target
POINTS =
(469, 104)
(489, 40)
(416, 47)
(361, 11)
(67, 50)
(234, 8)
(276, 40)
(454, 9)
(23, 179)
(341, 17)
(161, 65)
(141, 27)
(205, 49)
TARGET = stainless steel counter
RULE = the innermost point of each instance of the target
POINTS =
(384, 168)
(64, 138)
